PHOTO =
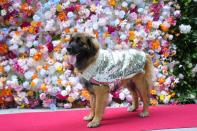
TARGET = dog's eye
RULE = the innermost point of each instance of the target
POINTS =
(81, 44)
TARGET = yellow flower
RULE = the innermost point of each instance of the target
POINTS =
(59, 68)
(162, 97)
(134, 45)
(22, 106)
(59, 7)
(43, 87)
(30, 93)
(70, 99)
(155, 1)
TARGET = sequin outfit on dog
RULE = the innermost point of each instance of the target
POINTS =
(111, 66)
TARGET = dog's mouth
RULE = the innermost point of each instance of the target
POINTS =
(72, 59)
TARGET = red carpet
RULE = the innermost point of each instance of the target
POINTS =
(162, 117)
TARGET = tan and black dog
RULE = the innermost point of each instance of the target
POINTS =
(86, 48)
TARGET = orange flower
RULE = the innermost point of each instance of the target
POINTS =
(153, 102)
(96, 33)
(75, 30)
(58, 48)
(164, 28)
(67, 30)
(43, 87)
(156, 63)
(3, 48)
(3, 2)
(131, 35)
(85, 94)
(149, 25)
(138, 21)
(106, 34)
(155, 44)
(33, 84)
(59, 82)
(173, 94)
(46, 66)
(66, 39)
(153, 92)
(1, 69)
(34, 76)
(37, 56)
(161, 80)
(62, 16)
(24, 6)
(112, 2)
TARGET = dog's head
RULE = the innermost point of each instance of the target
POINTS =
(82, 44)
(82, 47)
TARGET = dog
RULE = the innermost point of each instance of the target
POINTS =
(131, 68)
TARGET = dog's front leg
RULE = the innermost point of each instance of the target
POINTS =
(101, 94)
(92, 108)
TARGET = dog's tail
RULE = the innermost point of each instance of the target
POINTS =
(149, 71)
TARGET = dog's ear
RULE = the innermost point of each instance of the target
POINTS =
(91, 45)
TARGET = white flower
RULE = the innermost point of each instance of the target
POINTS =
(32, 52)
(70, 14)
(181, 76)
(67, 105)
(26, 84)
(122, 96)
(3, 12)
(124, 4)
(56, 42)
(28, 75)
(48, 14)
(194, 70)
(156, 24)
(185, 29)
(42, 96)
(68, 88)
(170, 37)
(29, 44)
(64, 93)
(177, 13)
(43, 72)
(7, 68)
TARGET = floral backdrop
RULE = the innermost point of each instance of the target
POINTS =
(35, 70)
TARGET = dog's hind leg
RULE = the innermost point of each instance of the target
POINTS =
(133, 90)
(143, 90)
(101, 94)
(92, 108)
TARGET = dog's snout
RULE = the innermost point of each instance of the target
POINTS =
(69, 48)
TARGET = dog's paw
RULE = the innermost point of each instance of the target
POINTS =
(131, 108)
(144, 114)
(93, 124)
(88, 118)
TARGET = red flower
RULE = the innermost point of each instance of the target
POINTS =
(50, 47)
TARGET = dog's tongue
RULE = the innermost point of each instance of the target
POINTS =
(72, 59)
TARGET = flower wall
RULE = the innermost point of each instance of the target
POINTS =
(35, 70)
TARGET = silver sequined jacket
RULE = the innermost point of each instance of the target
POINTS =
(111, 66)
